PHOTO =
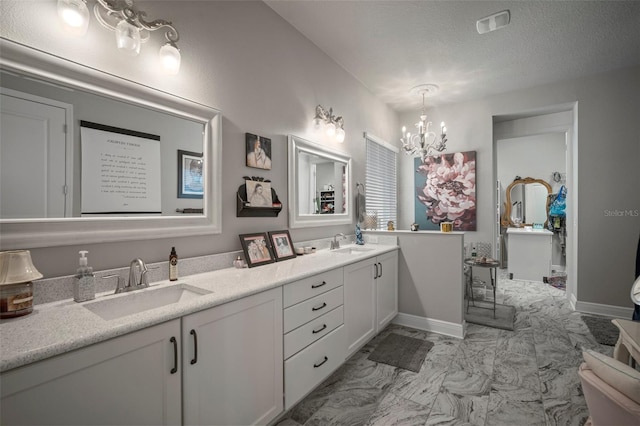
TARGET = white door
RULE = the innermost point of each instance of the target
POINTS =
(128, 380)
(233, 362)
(359, 304)
(33, 157)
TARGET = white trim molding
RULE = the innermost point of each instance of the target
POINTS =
(606, 310)
(428, 324)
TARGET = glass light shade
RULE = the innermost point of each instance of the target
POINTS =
(170, 59)
(74, 16)
(317, 123)
(331, 129)
(128, 38)
(340, 135)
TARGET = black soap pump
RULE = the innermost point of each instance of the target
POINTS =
(173, 265)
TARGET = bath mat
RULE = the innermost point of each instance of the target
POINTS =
(602, 329)
(479, 314)
(401, 351)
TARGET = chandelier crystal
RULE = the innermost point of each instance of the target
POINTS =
(425, 143)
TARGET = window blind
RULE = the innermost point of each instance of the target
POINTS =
(381, 180)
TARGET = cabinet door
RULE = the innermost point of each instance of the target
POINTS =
(123, 381)
(359, 303)
(387, 289)
(233, 363)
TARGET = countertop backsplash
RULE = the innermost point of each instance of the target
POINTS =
(60, 288)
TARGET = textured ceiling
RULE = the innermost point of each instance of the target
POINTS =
(391, 46)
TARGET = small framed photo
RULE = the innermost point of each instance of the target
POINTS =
(259, 193)
(282, 245)
(258, 151)
(190, 183)
(256, 249)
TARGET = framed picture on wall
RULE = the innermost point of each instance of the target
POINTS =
(190, 183)
(256, 249)
(282, 245)
(258, 151)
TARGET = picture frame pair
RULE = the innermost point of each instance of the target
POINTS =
(261, 248)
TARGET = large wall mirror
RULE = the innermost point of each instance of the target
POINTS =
(319, 182)
(88, 157)
(527, 202)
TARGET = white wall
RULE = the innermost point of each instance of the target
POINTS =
(241, 58)
(608, 172)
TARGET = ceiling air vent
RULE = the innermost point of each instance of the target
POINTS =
(493, 22)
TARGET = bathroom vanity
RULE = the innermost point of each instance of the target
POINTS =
(529, 252)
(225, 356)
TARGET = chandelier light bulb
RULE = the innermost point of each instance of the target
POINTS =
(74, 16)
(340, 135)
(128, 38)
(170, 59)
(404, 129)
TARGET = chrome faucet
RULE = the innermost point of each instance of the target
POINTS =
(335, 244)
(134, 284)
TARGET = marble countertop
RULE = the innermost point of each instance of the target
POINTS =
(58, 327)
(529, 231)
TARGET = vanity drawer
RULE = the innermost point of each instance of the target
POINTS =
(298, 291)
(302, 313)
(309, 367)
(305, 335)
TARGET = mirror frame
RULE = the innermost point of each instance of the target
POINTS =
(506, 221)
(296, 220)
(49, 232)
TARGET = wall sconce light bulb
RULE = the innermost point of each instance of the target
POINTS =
(331, 129)
(340, 135)
(128, 38)
(74, 16)
(170, 59)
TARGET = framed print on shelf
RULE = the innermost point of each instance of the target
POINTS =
(282, 245)
(256, 249)
(190, 183)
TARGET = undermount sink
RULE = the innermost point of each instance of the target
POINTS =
(122, 305)
(353, 250)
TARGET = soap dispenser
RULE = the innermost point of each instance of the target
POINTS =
(84, 284)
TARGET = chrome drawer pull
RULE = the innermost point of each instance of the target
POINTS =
(320, 329)
(317, 308)
(318, 285)
(318, 365)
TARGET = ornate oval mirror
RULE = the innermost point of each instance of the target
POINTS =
(527, 202)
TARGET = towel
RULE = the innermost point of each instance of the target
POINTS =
(361, 207)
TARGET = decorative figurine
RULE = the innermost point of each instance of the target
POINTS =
(390, 226)
(415, 226)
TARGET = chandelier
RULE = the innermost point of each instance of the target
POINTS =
(424, 143)
(129, 24)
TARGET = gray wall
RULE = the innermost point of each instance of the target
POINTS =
(608, 173)
(241, 58)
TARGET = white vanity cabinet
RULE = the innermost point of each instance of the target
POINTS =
(370, 298)
(232, 362)
(131, 379)
(529, 252)
(314, 340)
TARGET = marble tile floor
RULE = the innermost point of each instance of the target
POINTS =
(493, 377)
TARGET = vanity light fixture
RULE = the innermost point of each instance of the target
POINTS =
(425, 143)
(333, 126)
(129, 24)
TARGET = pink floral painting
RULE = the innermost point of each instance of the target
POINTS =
(446, 191)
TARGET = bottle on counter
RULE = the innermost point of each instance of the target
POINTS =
(173, 265)
(84, 282)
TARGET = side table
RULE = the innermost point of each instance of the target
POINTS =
(471, 263)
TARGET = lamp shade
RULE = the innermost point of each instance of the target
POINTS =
(16, 267)
(128, 38)
(74, 16)
(170, 59)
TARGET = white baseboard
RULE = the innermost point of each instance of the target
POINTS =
(606, 310)
(428, 324)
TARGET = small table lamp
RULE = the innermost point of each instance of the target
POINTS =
(16, 287)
